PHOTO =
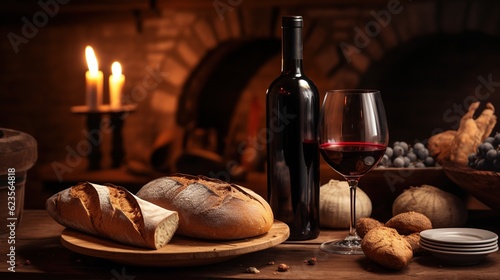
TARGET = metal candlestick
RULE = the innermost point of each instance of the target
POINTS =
(94, 124)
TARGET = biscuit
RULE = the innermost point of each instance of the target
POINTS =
(386, 247)
(414, 241)
(364, 225)
(409, 222)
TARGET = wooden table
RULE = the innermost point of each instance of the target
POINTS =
(41, 256)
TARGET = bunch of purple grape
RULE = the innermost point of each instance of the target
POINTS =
(402, 155)
(487, 155)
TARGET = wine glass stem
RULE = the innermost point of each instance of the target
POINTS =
(353, 184)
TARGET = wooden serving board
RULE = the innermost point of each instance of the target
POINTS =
(181, 251)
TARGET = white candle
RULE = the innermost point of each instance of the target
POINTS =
(93, 80)
(116, 81)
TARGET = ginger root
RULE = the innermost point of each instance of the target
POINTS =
(472, 132)
(457, 145)
(439, 145)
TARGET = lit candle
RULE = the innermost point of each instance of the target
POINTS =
(116, 81)
(93, 79)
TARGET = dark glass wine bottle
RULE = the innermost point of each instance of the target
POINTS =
(292, 110)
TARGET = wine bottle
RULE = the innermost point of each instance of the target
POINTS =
(292, 111)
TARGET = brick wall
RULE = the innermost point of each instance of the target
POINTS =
(159, 49)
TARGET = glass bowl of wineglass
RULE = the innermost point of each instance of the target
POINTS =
(352, 137)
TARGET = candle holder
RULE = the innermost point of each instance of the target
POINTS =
(94, 123)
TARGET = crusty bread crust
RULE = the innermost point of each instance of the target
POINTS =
(113, 212)
(209, 208)
(364, 225)
(386, 247)
(409, 222)
(414, 241)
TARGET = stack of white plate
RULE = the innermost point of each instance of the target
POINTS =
(459, 246)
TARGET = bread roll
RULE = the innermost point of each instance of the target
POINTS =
(409, 222)
(386, 247)
(210, 208)
(113, 212)
(414, 241)
(364, 225)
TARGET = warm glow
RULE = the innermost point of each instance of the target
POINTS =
(116, 80)
(91, 61)
(116, 69)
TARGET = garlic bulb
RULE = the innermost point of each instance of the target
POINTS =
(334, 204)
(442, 208)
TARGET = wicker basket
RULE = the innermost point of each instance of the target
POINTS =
(483, 185)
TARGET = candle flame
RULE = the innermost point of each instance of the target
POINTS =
(116, 69)
(91, 61)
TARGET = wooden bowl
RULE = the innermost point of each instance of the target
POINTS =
(384, 185)
(483, 185)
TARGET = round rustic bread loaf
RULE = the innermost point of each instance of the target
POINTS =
(209, 208)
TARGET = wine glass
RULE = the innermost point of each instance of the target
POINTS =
(353, 136)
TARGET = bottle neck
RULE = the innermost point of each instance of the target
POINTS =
(291, 44)
(291, 66)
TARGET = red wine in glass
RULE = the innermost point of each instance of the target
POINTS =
(352, 158)
(353, 136)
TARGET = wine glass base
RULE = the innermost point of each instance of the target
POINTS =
(345, 247)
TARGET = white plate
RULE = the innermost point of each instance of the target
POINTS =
(463, 253)
(458, 246)
(424, 244)
(459, 235)
(460, 258)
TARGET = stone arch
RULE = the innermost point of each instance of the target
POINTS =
(326, 30)
(209, 99)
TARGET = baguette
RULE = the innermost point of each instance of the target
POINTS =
(210, 208)
(113, 212)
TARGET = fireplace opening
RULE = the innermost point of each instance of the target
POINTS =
(209, 99)
(429, 82)
(428, 74)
